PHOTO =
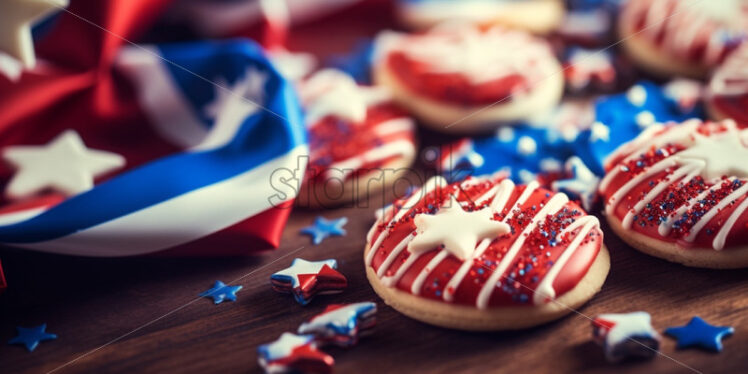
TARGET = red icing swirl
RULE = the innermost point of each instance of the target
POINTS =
(469, 66)
(545, 242)
(728, 87)
(700, 32)
(337, 143)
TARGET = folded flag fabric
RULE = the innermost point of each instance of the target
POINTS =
(175, 145)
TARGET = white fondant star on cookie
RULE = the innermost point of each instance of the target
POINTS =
(457, 230)
(64, 164)
(721, 154)
(16, 18)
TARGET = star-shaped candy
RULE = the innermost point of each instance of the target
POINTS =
(455, 229)
(30, 337)
(581, 183)
(16, 19)
(324, 228)
(305, 279)
(626, 335)
(64, 165)
(698, 333)
(341, 324)
(293, 353)
(221, 292)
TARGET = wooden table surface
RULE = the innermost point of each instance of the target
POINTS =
(142, 315)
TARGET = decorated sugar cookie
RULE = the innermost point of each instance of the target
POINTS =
(675, 37)
(359, 140)
(727, 94)
(537, 16)
(680, 192)
(485, 254)
(458, 78)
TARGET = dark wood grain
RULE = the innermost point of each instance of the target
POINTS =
(89, 302)
(142, 315)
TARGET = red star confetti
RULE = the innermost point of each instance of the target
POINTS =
(306, 279)
(293, 353)
(342, 324)
(628, 335)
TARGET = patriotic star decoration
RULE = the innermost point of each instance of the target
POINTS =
(306, 279)
(341, 324)
(332, 92)
(30, 337)
(293, 353)
(65, 165)
(628, 335)
(581, 182)
(16, 19)
(324, 228)
(240, 99)
(583, 67)
(698, 333)
(220, 292)
(455, 230)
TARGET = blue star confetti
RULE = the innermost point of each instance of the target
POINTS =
(698, 333)
(324, 228)
(30, 337)
(221, 292)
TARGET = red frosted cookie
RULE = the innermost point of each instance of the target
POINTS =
(679, 192)
(459, 78)
(360, 142)
(676, 37)
(727, 94)
(537, 16)
(484, 254)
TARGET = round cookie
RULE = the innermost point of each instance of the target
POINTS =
(675, 37)
(727, 93)
(360, 141)
(536, 16)
(460, 79)
(680, 192)
(485, 254)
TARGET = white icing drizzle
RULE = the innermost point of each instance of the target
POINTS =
(714, 210)
(332, 92)
(719, 240)
(501, 195)
(545, 292)
(552, 206)
(628, 219)
(481, 56)
(704, 156)
(341, 169)
(680, 26)
(417, 196)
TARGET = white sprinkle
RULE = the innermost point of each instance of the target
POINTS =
(526, 145)
(637, 95)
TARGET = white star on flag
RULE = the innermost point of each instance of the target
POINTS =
(16, 18)
(64, 165)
